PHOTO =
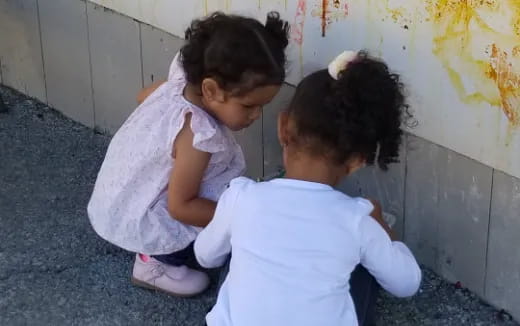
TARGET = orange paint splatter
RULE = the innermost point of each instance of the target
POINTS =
(508, 83)
(324, 9)
(327, 14)
(462, 30)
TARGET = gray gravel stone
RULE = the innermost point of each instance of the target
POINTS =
(54, 270)
(439, 303)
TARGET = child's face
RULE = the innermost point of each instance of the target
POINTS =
(239, 112)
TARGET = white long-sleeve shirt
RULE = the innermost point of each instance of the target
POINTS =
(294, 245)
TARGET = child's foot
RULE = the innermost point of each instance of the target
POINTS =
(175, 280)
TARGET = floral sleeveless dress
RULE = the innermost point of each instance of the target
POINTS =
(128, 206)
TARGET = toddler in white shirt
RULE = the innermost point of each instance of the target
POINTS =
(296, 241)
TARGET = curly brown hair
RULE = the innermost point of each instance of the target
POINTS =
(359, 114)
(240, 53)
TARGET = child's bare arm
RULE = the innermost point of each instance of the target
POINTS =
(377, 214)
(184, 203)
(145, 92)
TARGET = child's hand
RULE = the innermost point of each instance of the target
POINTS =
(377, 214)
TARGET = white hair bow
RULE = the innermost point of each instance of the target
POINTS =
(340, 63)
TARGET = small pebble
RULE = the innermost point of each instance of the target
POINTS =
(3, 106)
(502, 315)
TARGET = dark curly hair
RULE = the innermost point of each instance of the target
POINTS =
(358, 114)
(238, 52)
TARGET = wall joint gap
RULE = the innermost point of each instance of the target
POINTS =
(90, 67)
(488, 232)
(41, 49)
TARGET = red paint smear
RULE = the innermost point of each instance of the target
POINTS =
(324, 8)
(299, 22)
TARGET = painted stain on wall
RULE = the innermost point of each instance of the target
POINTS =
(477, 41)
(397, 11)
(507, 80)
(297, 30)
(330, 12)
(299, 22)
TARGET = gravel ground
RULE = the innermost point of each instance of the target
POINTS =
(54, 270)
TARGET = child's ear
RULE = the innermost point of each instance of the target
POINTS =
(211, 90)
(283, 122)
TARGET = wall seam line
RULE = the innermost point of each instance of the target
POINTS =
(486, 262)
(90, 66)
(1, 76)
(41, 49)
(141, 59)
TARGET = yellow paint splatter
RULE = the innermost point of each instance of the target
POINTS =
(516, 51)
(397, 14)
(395, 11)
(477, 41)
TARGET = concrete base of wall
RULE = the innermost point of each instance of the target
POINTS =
(461, 218)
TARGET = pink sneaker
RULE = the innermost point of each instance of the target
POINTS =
(179, 281)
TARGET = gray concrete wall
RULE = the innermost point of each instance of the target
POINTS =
(21, 60)
(460, 217)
